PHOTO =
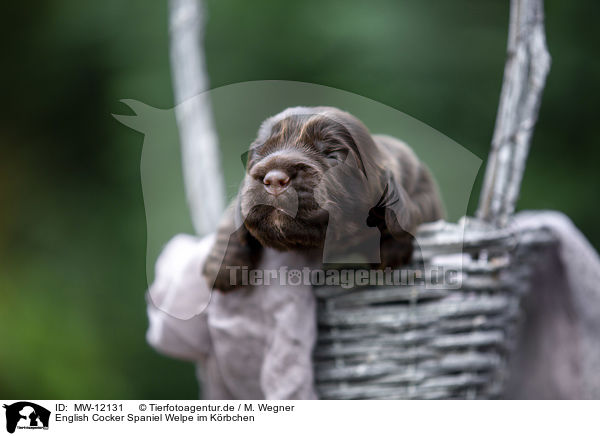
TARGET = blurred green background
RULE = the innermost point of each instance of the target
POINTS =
(72, 227)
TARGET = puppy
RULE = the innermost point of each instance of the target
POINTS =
(317, 182)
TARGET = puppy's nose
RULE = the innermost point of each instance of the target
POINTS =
(276, 181)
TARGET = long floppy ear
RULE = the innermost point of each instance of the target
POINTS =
(396, 216)
(235, 249)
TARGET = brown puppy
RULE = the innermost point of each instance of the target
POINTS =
(318, 182)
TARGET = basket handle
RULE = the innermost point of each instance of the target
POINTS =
(201, 158)
(525, 71)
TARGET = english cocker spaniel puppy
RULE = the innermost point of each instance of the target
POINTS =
(318, 183)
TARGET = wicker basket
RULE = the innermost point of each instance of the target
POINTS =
(448, 341)
(429, 342)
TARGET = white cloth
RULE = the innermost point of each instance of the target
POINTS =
(558, 354)
(252, 343)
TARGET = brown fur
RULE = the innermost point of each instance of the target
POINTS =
(340, 174)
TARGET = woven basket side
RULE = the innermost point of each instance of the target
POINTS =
(422, 342)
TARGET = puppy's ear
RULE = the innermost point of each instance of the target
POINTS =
(234, 248)
(398, 214)
(397, 217)
(395, 210)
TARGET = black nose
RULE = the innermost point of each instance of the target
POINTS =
(276, 181)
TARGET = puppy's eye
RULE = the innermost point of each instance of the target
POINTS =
(338, 155)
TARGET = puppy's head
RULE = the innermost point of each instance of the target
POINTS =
(305, 164)
(312, 174)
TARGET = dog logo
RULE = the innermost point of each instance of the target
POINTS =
(26, 415)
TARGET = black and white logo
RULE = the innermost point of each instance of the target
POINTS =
(26, 415)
